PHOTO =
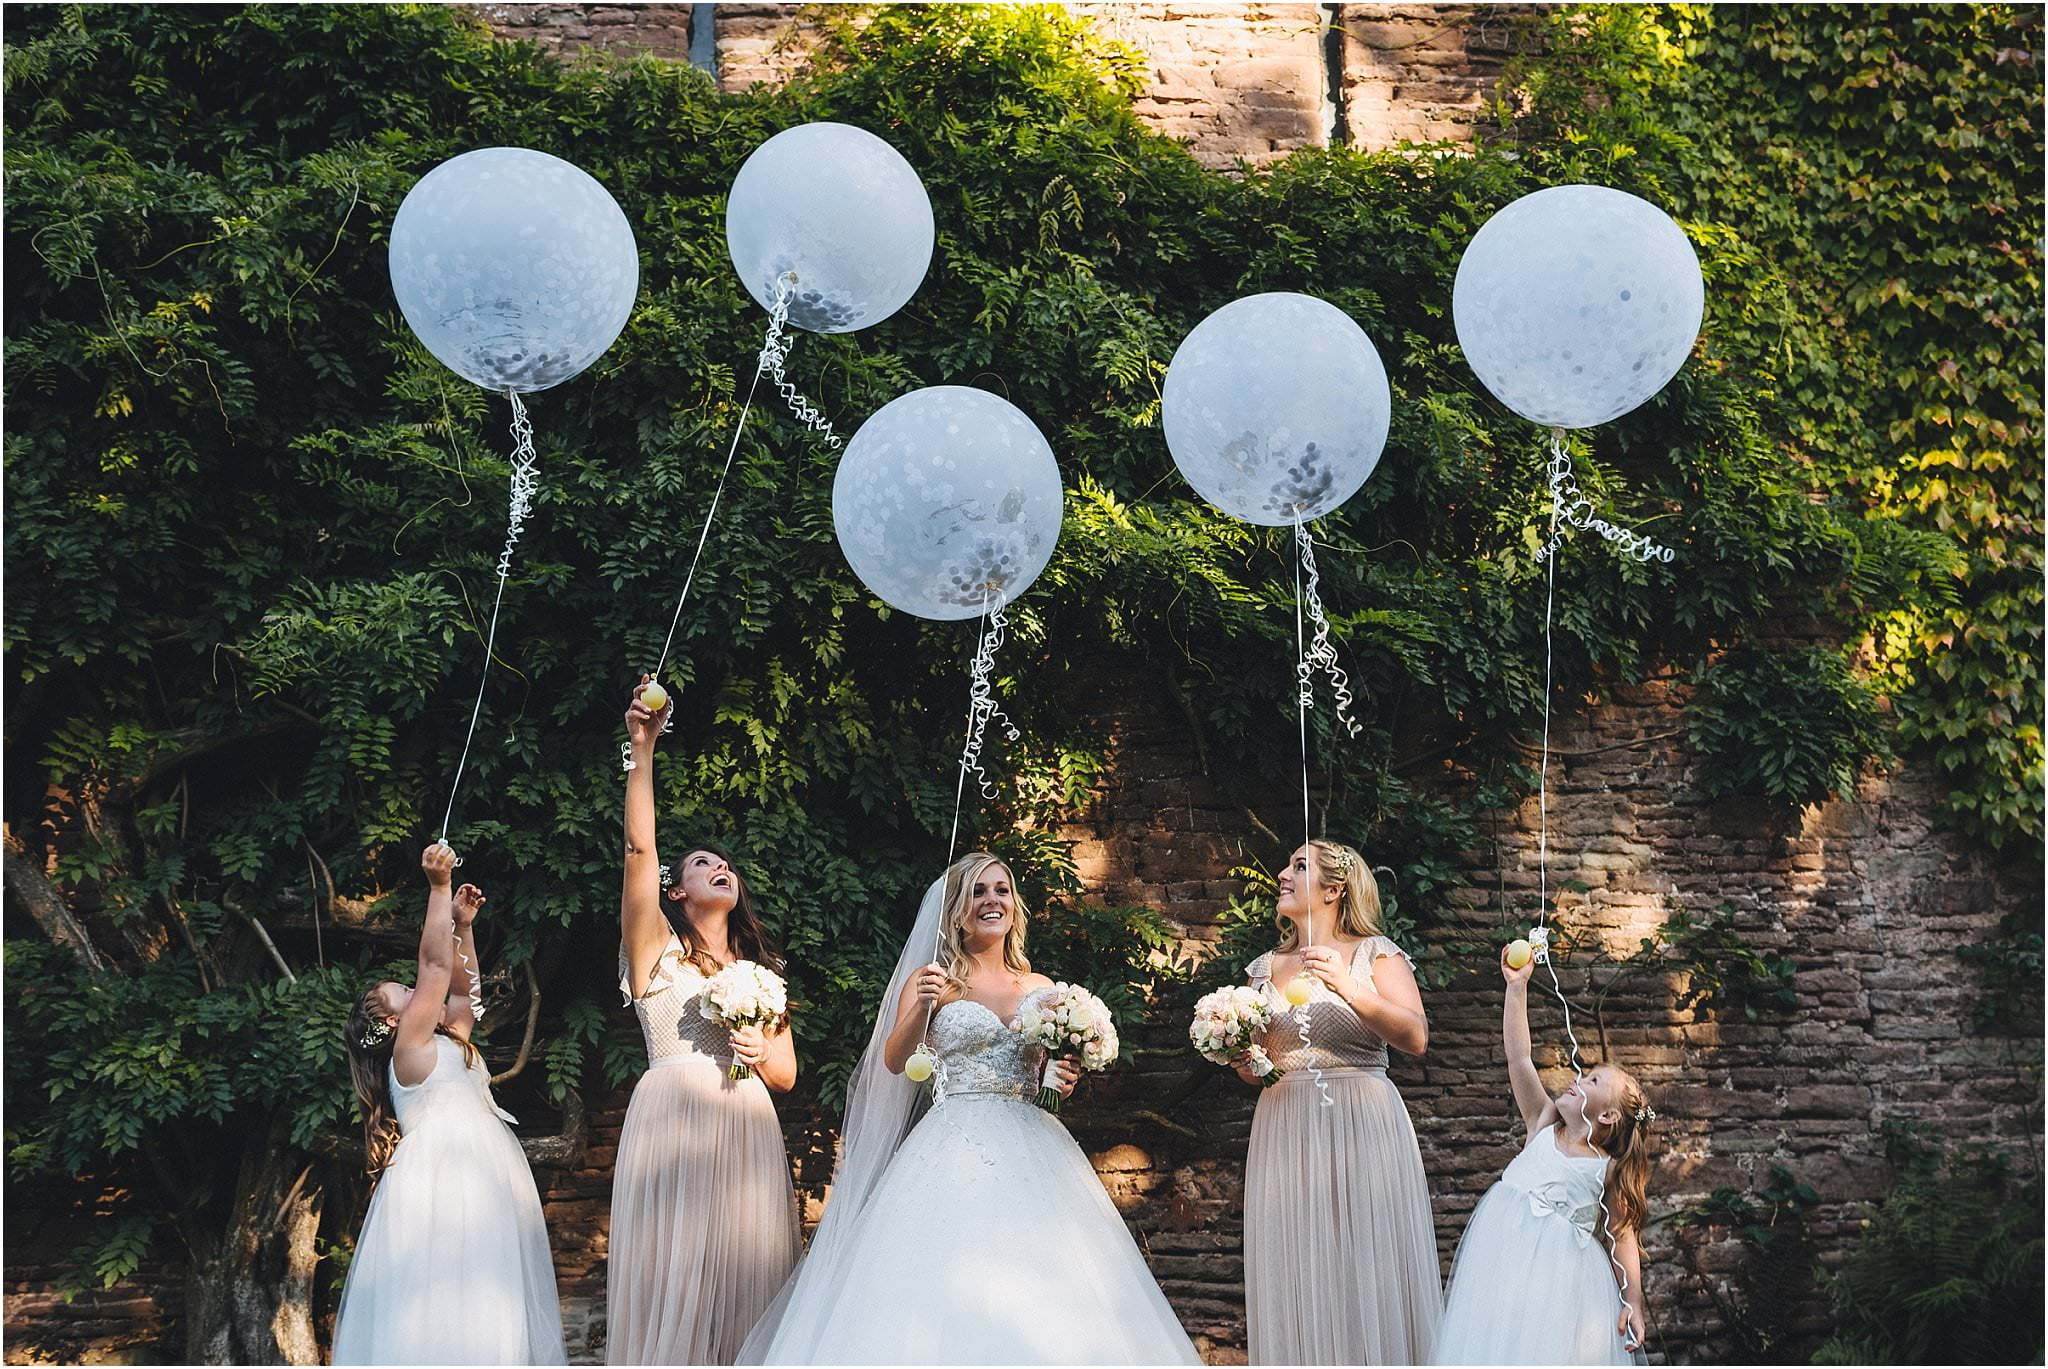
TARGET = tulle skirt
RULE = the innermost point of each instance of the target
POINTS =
(1339, 1246)
(704, 1225)
(989, 1240)
(453, 1265)
(1526, 1289)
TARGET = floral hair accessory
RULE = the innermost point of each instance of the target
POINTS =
(1646, 1114)
(1342, 859)
(375, 1032)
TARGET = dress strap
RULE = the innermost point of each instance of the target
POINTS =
(662, 976)
(1260, 969)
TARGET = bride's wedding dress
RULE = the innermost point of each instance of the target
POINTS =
(982, 1237)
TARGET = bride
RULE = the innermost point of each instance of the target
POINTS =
(971, 1231)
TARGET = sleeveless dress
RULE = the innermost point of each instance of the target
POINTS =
(1532, 1283)
(704, 1224)
(1339, 1244)
(453, 1265)
(988, 1240)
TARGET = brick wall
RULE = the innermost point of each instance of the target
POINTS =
(1233, 81)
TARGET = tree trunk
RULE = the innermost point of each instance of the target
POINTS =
(26, 881)
(251, 1300)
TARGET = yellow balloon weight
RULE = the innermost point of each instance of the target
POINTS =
(1297, 989)
(1518, 954)
(919, 1067)
(653, 698)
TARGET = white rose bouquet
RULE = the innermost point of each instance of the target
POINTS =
(744, 994)
(1225, 1022)
(1068, 1020)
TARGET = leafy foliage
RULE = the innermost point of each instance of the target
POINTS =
(252, 525)
(1794, 727)
(1948, 1270)
(1724, 972)
(1867, 180)
(1761, 1311)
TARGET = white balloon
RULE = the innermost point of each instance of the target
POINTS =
(516, 269)
(1577, 303)
(842, 210)
(948, 500)
(1276, 408)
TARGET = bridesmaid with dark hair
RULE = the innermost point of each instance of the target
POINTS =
(704, 1227)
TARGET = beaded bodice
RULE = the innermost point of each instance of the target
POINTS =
(980, 1055)
(1337, 1039)
(671, 1011)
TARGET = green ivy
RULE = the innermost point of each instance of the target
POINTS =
(1795, 727)
(1867, 182)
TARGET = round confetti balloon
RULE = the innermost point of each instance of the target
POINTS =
(1577, 303)
(947, 501)
(1276, 408)
(841, 210)
(515, 268)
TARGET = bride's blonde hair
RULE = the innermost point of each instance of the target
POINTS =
(1358, 906)
(960, 879)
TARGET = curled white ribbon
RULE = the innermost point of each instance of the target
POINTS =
(1569, 507)
(775, 351)
(1320, 654)
(981, 700)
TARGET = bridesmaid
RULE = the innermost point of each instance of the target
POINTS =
(704, 1226)
(1340, 1248)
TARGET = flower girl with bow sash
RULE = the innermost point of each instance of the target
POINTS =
(1537, 1272)
(453, 1265)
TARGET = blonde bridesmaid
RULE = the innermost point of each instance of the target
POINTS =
(704, 1226)
(1340, 1248)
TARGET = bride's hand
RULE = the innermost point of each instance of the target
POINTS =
(1070, 1074)
(929, 983)
(1242, 1063)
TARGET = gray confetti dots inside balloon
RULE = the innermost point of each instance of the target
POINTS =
(948, 500)
(515, 268)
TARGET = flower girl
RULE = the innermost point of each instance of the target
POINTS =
(453, 1265)
(1535, 1280)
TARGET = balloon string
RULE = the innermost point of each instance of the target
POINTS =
(524, 480)
(1571, 507)
(1321, 655)
(626, 761)
(1562, 511)
(776, 352)
(1303, 701)
(981, 708)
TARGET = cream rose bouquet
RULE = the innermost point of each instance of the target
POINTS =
(744, 994)
(1067, 1020)
(1224, 1024)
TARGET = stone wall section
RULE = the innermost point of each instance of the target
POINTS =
(1235, 82)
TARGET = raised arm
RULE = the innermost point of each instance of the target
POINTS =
(642, 929)
(1532, 1100)
(467, 976)
(412, 1053)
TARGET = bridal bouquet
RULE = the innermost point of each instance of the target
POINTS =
(1067, 1021)
(1225, 1022)
(744, 994)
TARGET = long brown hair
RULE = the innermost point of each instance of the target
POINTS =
(1628, 1143)
(1358, 907)
(743, 930)
(960, 878)
(368, 1070)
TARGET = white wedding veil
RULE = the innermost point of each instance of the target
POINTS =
(881, 1107)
